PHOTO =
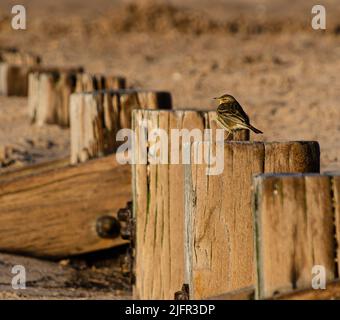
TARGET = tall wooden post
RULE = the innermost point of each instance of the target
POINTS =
(48, 95)
(218, 211)
(294, 219)
(158, 198)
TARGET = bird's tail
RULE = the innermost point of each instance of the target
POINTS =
(254, 129)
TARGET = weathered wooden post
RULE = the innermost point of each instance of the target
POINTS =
(87, 82)
(15, 56)
(50, 90)
(158, 198)
(97, 116)
(49, 93)
(294, 220)
(14, 69)
(218, 212)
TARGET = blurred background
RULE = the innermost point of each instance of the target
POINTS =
(283, 72)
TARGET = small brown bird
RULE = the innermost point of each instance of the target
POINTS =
(231, 116)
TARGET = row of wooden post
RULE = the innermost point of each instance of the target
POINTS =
(262, 223)
(192, 227)
(50, 90)
(196, 228)
(96, 118)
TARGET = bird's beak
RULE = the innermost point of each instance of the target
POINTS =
(215, 98)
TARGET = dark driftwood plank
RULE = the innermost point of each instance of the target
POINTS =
(54, 213)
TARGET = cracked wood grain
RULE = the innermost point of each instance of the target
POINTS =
(158, 193)
(53, 213)
(219, 218)
(87, 82)
(49, 91)
(96, 118)
(295, 231)
(220, 250)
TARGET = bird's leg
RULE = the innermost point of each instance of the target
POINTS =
(226, 139)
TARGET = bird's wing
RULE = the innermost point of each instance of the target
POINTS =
(233, 111)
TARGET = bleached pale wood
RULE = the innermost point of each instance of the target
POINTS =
(49, 91)
(218, 212)
(3, 78)
(294, 231)
(53, 213)
(158, 194)
(87, 127)
(97, 116)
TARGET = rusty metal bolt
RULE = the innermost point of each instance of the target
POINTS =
(125, 214)
(108, 227)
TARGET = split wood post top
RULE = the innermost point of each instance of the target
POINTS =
(87, 82)
(14, 69)
(158, 198)
(15, 56)
(218, 212)
(96, 117)
(294, 219)
(59, 212)
(49, 90)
